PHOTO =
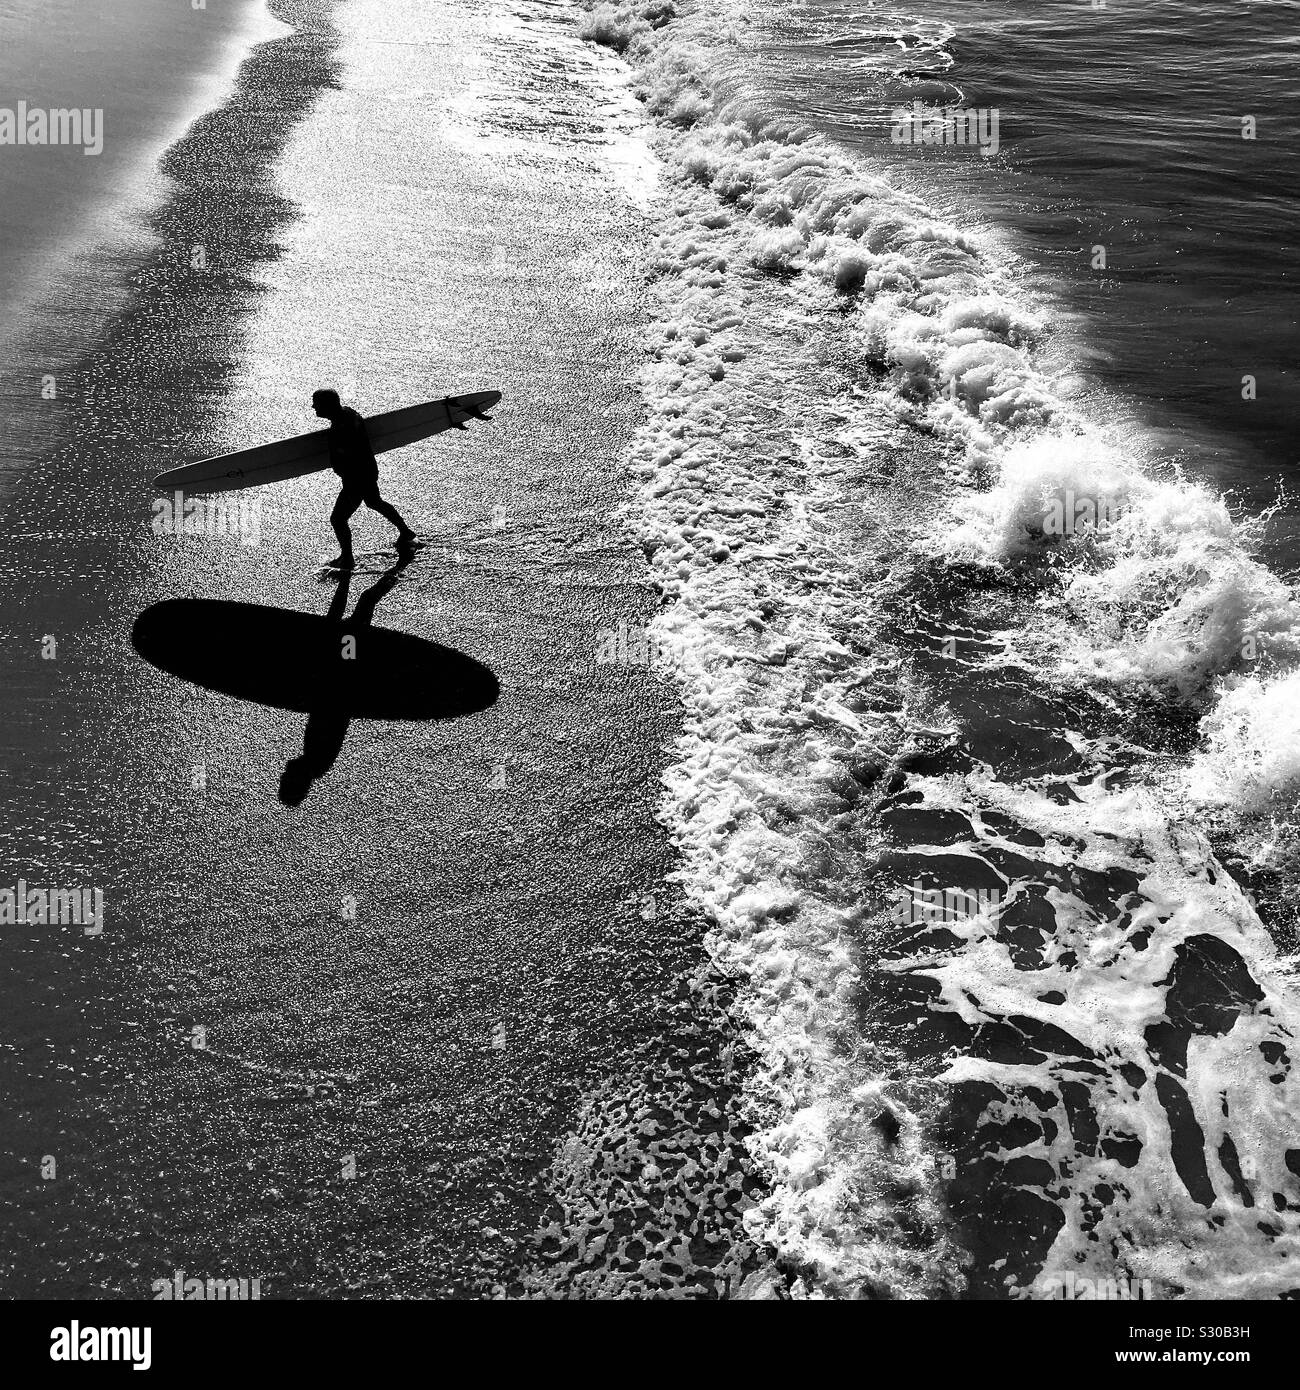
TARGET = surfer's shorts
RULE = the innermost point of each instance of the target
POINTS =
(355, 492)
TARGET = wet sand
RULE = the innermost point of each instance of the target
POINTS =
(397, 1040)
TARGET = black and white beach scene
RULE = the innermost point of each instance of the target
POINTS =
(650, 651)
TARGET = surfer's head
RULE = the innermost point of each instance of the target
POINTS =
(295, 782)
(326, 403)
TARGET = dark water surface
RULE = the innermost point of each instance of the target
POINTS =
(1120, 127)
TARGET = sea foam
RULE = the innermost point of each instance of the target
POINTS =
(802, 714)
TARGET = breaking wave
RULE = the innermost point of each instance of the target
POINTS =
(934, 625)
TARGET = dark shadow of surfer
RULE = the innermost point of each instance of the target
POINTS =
(327, 724)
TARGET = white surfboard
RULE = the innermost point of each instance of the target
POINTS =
(308, 453)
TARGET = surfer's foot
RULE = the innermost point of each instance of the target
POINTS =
(406, 539)
(341, 562)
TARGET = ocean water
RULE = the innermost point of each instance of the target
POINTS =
(981, 611)
(1121, 127)
(72, 216)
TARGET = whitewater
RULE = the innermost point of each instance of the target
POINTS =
(897, 679)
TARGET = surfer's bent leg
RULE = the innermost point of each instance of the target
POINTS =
(376, 503)
(349, 500)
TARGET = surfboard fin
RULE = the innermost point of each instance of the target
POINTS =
(468, 409)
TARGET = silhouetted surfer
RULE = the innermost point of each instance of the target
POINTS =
(353, 460)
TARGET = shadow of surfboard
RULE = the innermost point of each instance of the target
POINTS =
(295, 661)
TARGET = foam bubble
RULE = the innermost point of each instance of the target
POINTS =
(1249, 763)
